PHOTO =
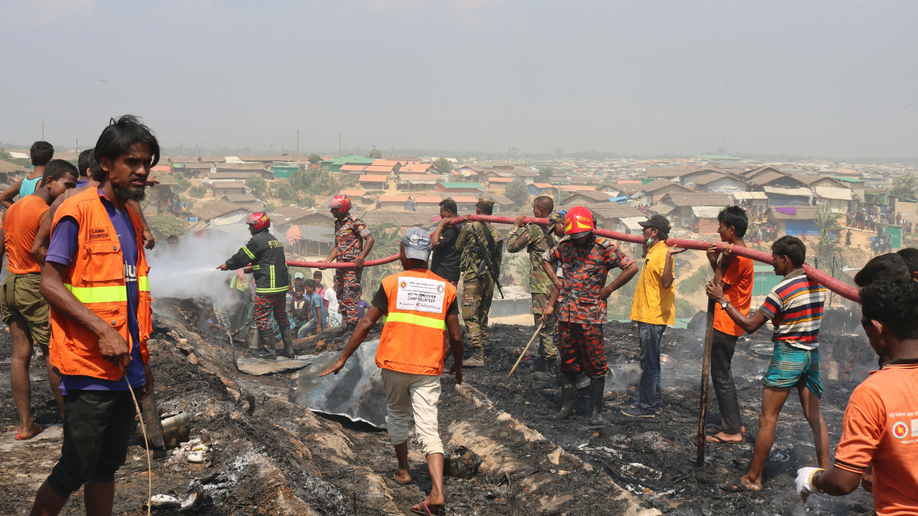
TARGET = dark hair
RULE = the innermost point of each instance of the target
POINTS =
(885, 266)
(172, 238)
(116, 139)
(84, 162)
(735, 217)
(41, 153)
(449, 205)
(299, 288)
(910, 256)
(310, 283)
(545, 202)
(56, 170)
(485, 207)
(95, 169)
(317, 274)
(791, 247)
(893, 302)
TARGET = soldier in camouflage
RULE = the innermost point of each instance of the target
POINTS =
(478, 287)
(536, 240)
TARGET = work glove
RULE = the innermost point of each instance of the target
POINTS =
(805, 485)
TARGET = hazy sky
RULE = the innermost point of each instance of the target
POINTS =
(829, 78)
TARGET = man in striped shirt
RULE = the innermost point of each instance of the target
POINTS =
(794, 307)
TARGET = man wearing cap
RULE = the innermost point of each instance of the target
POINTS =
(298, 280)
(585, 260)
(653, 308)
(421, 314)
(353, 242)
(263, 255)
(478, 287)
(536, 240)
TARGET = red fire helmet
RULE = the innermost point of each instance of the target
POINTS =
(340, 201)
(578, 220)
(258, 219)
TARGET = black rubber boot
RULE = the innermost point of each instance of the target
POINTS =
(552, 371)
(597, 386)
(266, 345)
(288, 343)
(568, 395)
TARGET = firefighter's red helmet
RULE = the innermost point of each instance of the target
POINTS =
(578, 220)
(340, 201)
(259, 220)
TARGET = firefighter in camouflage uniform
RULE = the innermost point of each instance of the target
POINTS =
(536, 240)
(478, 282)
(585, 261)
(353, 242)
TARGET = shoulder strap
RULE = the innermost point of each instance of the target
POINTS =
(487, 233)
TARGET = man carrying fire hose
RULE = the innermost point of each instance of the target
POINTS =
(269, 265)
(353, 242)
(585, 260)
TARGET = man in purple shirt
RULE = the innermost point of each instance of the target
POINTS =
(99, 413)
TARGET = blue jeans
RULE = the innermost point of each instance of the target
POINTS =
(651, 398)
(308, 328)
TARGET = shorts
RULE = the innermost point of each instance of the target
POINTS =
(97, 428)
(790, 365)
(20, 297)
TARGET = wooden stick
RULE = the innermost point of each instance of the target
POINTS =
(534, 335)
(153, 423)
(705, 371)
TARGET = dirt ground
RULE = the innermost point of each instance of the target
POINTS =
(270, 456)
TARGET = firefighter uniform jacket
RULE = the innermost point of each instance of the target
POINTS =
(269, 265)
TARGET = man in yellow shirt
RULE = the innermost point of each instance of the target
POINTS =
(653, 308)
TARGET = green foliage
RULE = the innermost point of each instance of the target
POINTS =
(315, 159)
(696, 282)
(442, 165)
(545, 173)
(517, 192)
(165, 225)
(306, 201)
(375, 154)
(183, 184)
(197, 191)
(256, 183)
(684, 308)
(285, 191)
(905, 186)
(386, 239)
(522, 270)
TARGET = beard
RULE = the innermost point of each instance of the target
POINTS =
(129, 193)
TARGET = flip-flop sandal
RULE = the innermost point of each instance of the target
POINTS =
(426, 511)
(399, 481)
(737, 486)
(713, 439)
(716, 429)
(37, 430)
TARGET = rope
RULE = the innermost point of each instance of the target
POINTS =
(145, 441)
(846, 291)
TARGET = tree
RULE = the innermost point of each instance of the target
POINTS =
(183, 184)
(197, 191)
(828, 250)
(442, 165)
(165, 225)
(905, 186)
(315, 159)
(518, 193)
(375, 154)
(545, 174)
(256, 183)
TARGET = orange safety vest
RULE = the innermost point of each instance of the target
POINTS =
(414, 341)
(96, 278)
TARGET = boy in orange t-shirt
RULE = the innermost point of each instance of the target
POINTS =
(734, 274)
(881, 421)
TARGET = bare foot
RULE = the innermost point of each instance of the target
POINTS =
(401, 476)
(722, 438)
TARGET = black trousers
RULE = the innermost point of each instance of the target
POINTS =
(722, 378)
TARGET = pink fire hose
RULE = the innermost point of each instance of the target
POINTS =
(831, 283)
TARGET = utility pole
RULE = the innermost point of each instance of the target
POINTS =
(508, 153)
(297, 142)
(339, 145)
(77, 148)
(42, 131)
(725, 115)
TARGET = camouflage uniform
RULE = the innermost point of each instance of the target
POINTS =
(581, 310)
(478, 288)
(536, 240)
(350, 233)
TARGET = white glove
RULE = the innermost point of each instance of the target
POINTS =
(805, 485)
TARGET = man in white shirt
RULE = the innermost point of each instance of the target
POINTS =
(331, 304)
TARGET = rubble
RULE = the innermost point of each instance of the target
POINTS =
(256, 452)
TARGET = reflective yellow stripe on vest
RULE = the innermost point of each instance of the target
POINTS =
(88, 295)
(143, 283)
(420, 320)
